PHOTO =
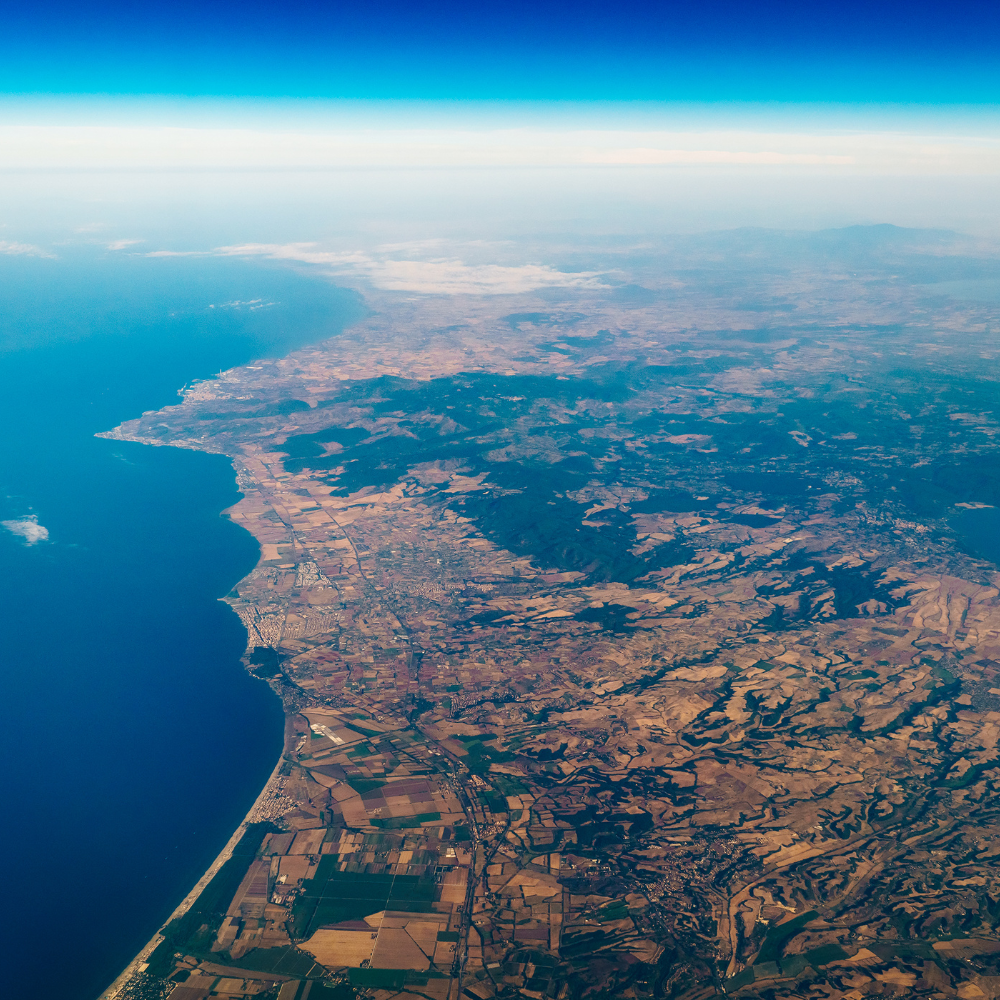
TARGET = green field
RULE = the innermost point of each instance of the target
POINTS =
(777, 936)
(334, 896)
(406, 822)
(194, 931)
(284, 961)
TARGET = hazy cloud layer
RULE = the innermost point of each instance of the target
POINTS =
(144, 147)
(430, 277)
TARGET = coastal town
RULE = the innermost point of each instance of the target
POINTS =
(625, 651)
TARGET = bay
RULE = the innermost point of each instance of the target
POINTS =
(133, 741)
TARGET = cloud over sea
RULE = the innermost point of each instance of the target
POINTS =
(27, 528)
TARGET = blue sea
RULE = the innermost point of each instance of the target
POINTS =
(133, 741)
(978, 532)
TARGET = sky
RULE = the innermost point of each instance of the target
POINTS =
(220, 122)
(450, 146)
(715, 50)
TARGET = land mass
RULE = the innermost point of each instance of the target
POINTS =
(625, 643)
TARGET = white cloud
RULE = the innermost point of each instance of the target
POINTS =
(452, 277)
(307, 253)
(178, 253)
(22, 249)
(430, 277)
(123, 244)
(250, 304)
(27, 528)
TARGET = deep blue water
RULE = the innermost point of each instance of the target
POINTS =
(133, 741)
(979, 531)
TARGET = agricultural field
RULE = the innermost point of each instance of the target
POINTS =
(633, 647)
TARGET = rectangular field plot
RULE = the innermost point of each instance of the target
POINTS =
(334, 896)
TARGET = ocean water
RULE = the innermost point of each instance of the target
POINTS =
(978, 531)
(133, 742)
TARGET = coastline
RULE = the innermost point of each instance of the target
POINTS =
(137, 965)
(168, 726)
(119, 987)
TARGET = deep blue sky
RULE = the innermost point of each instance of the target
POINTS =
(782, 50)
